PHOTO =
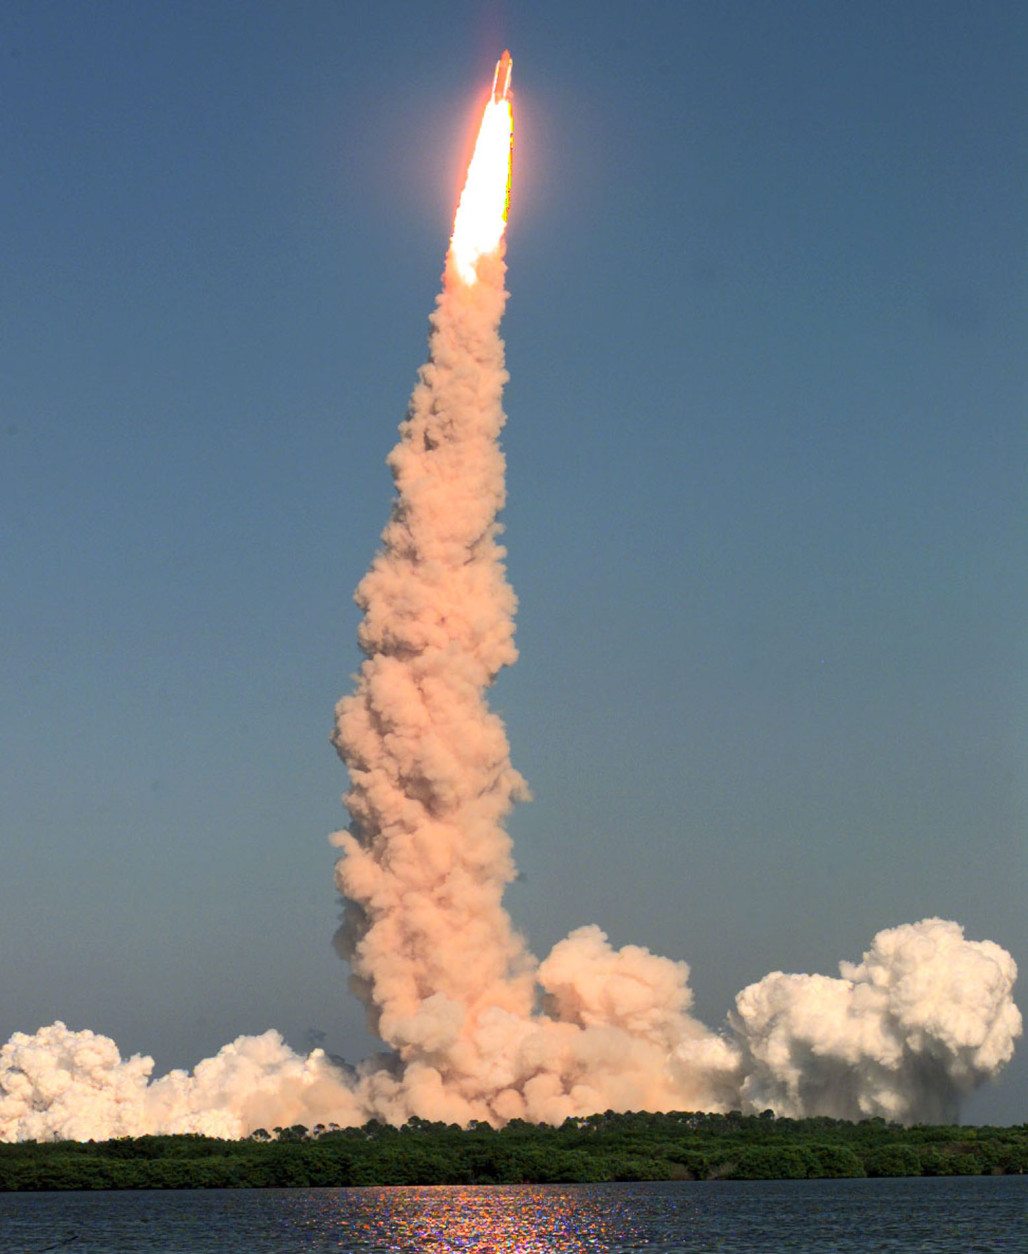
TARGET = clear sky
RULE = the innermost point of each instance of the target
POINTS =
(766, 453)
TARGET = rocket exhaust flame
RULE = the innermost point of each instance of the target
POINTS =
(449, 984)
(482, 211)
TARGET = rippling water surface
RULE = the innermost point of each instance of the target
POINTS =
(976, 1215)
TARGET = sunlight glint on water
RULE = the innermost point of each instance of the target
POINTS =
(963, 1215)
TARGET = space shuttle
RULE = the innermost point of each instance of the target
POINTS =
(501, 79)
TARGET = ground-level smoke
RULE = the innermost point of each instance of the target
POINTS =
(923, 1019)
(476, 1027)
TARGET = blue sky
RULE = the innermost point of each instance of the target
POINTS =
(766, 452)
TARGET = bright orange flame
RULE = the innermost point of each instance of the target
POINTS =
(482, 211)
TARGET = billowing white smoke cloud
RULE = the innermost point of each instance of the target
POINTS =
(76, 1086)
(478, 1028)
(923, 1020)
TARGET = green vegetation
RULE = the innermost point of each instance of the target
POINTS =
(676, 1146)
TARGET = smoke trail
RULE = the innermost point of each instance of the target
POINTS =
(478, 1028)
(426, 859)
(448, 982)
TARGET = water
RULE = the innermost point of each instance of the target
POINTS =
(964, 1215)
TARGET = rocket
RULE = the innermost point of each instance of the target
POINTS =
(501, 79)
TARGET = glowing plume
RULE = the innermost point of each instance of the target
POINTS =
(482, 212)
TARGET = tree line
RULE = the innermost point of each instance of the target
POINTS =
(596, 1149)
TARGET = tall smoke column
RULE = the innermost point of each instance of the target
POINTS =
(448, 983)
(426, 858)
